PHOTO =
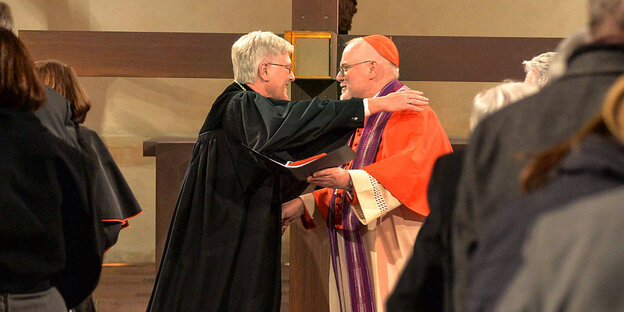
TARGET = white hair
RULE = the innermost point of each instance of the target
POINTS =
(541, 65)
(251, 49)
(489, 101)
(564, 49)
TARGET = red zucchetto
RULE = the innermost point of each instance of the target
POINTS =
(384, 46)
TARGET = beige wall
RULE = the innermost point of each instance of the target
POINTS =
(126, 111)
(129, 110)
(488, 18)
(232, 16)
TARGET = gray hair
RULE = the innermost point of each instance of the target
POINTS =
(489, 101)
(395, 69)
(251, 49)
(601, 10)
(541, 64)
(564, 50)
(6, 18)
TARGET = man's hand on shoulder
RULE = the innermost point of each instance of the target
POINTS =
(398, 101)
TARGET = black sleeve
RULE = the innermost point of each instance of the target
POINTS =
(300, 127)
(82, 230)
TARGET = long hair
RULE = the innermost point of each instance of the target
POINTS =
(20, 89)
(63, 79)
(610, 122)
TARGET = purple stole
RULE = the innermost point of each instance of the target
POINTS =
(360, 288)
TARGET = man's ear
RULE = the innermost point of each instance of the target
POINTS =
(372, 70)
(263, 72)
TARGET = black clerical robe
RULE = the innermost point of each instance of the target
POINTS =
(55, 115)
(113, 199)
(223, 247)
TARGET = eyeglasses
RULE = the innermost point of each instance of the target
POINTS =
(289, 67)
(344, 67)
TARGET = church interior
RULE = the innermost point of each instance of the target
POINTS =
(153, 68)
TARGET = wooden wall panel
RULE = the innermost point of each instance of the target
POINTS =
(172, 158)
(207, 55)
(309, 267)
(135, 54)
(466, 59)
(315, 15)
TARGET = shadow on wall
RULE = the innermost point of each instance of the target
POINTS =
(151, 107)
(127, 106)
(66, 15)
(61, 15)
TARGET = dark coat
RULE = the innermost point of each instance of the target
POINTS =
(223, 247)
(425, 284)
(571, 259)
(503, 143)
(596, 166)
(55, 115)
(48, 230)
(113, 200)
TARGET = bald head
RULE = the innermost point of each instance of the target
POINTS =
(370, 53)
(366, 72)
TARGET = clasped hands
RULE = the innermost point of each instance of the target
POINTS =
(337, 178)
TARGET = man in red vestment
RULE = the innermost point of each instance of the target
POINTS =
(375, 205)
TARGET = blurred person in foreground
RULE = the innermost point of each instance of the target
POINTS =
(590, 276)
(504, 143)
(49, 256)
(223, 248)
(426, 282)
(567, 274)
(112, 198)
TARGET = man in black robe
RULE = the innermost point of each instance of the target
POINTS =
(223, 247)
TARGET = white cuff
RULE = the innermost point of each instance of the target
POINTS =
(373, 199)
(309, 204)
(366, 111)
